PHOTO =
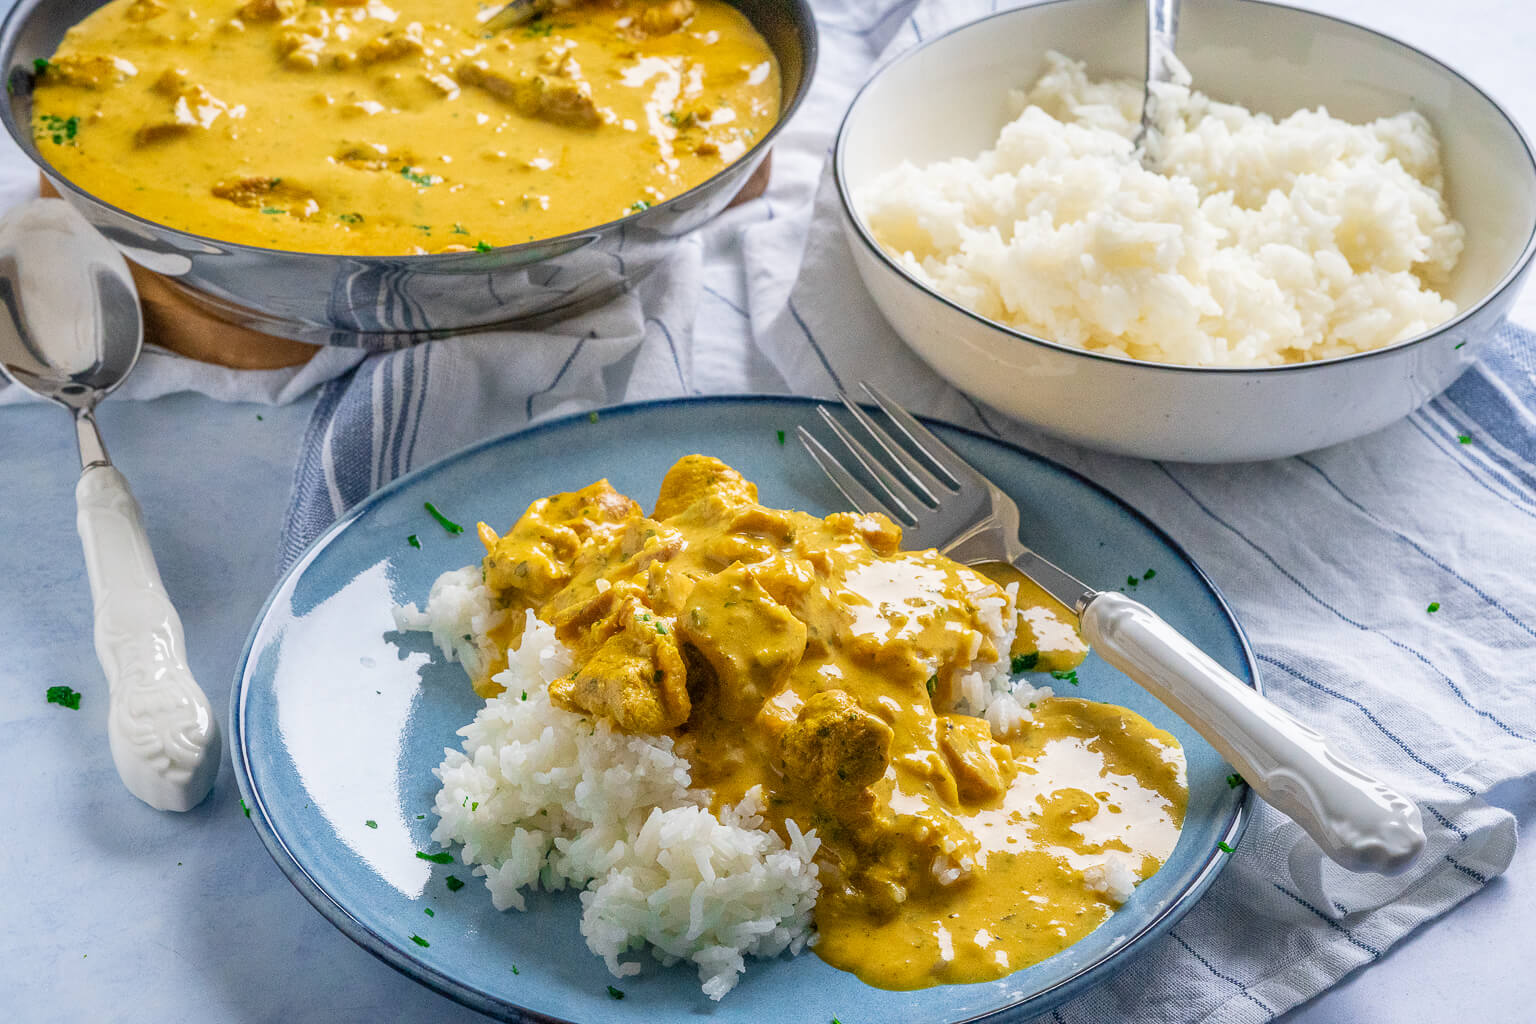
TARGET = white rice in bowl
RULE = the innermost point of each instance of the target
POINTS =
(1258, 243)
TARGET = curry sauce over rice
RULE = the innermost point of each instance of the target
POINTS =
(813, 661)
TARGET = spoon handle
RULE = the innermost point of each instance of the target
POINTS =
(1359, 821)
(163, 735)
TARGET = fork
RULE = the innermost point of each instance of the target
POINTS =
(1359, 822)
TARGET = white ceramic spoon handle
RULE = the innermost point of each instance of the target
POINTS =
(1359, 821)
(164, 738)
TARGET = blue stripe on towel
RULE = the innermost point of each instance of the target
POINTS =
(1479, 591)
(1241, 988)
(1370, 717)
(1419, 656)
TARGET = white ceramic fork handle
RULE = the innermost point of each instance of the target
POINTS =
(163, 735)
(1359, 821)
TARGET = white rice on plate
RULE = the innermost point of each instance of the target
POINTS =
(541, 797)
(1258, 243)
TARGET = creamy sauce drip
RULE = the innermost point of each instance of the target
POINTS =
(812, 658)
(338, 126)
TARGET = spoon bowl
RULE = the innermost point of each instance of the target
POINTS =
(51, 264)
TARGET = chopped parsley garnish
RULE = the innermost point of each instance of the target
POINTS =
(1464, 438)
(64, 696)
(259, 417)
(1024, 662)
(429, 911)
(442, 520)
(419, 816)
(515, 970)
(458, 229)
(483, 246)
(538, 28)
(62, 130)
(272, 209)
(640, 204)
(661, 630)
(1434, 606)
(1234, 780)
(39, 65)
(416, 177)
(592, 417)
(1131, 581)
(453, 884)
(1148, 574)
(614, 993)
(1225, 847)
(350, 218)
(244, 807)
(420, 941)
(414, 541)
(933, 685)
(525, 695)
(443, 857)
(371, 823)
(1457, 345)
(1068, 676)
(781, 436)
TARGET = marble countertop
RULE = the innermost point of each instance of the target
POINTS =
(121, 913)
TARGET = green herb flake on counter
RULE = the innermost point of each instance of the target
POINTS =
(614, 993)
(420, 941)
(64, 697)
(453, 884)
(444, 857)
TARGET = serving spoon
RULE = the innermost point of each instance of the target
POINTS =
(1163, 68)
(518, 12)
(73, 332)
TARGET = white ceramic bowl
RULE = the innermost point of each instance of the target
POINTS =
(948, 97)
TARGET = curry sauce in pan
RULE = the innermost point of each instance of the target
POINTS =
(380, 127)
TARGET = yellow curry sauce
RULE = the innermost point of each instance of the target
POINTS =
(376, 127)
(815, 659)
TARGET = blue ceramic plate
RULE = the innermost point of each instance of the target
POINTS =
(338, 721)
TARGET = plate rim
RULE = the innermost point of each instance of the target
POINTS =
(392, 953)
